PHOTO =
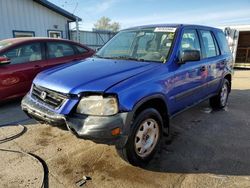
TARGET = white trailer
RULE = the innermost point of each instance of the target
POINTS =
(239, 41)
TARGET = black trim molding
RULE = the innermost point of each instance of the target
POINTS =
(199, 88)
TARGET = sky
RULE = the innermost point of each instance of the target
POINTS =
(141, 12)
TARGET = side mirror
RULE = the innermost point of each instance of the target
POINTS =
(190, 55)
(4, 60)
(97, 49)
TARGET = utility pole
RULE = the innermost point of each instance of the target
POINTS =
(77, 25)
(77, 30)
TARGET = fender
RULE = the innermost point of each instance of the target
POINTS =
(151, 97)
(148, 98)
(230, 81)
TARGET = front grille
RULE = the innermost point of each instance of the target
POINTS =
(49, 97)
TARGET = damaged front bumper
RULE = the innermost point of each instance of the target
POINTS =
(40, 113)
(99, 128)
(96, 128)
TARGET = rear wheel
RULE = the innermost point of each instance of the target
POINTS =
(144, 138)
(220, 101)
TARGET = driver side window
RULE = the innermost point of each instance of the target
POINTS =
(190, 41)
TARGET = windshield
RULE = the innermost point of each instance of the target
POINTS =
(4, 44)
(150, 44)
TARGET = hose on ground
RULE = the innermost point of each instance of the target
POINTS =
(45, 182)
(24, 129)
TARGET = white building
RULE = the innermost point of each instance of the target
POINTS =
(39, 18)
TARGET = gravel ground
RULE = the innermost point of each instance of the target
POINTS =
(207, 149)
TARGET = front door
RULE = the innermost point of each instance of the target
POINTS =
(190, 78)
(16, 77)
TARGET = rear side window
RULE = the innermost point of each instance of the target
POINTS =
(223, 43)
(24, 53)
(58, 49)
(210, 48)
(80, 49)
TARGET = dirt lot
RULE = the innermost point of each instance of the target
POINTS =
(207, 149)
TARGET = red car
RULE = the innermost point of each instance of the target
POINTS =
(21, 59)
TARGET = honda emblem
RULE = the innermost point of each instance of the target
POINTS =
(43, 95)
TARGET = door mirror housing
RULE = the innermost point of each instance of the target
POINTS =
(190, 55)
(97, 49)
(4, 61)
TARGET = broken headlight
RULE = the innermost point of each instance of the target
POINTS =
(97, 105)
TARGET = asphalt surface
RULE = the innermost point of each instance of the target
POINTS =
(206, 149)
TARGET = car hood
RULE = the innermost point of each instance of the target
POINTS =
(92, 74)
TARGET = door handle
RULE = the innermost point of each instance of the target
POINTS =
(203, 68)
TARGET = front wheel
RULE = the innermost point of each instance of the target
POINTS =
(220, 101)
(144, 138)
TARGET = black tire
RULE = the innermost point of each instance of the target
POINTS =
(220, 101)
(148, 117)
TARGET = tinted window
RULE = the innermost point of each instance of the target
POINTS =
(56, 50)
(209, 45)
(223, 43)
(24, 53)
(190, 41)
(80, 49)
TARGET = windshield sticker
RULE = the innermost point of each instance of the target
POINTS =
(165, 29)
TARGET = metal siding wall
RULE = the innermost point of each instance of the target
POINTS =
(93, 39)
(27, 15)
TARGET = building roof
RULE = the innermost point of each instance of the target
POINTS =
(57, 9)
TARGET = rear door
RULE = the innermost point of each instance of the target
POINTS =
(63, 52)
(26, 61)
(213, 60)
(191, 76)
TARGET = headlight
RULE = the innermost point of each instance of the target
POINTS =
(97, 105)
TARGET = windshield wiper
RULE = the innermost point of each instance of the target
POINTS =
(128, 58)
(120, 57)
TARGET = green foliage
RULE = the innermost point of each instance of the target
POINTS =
(104, 23)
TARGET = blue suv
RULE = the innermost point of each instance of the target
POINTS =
(126, 94)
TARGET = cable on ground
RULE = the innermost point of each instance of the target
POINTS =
(45, 182)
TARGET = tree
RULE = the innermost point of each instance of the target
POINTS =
(104, 23)
(115, 26)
